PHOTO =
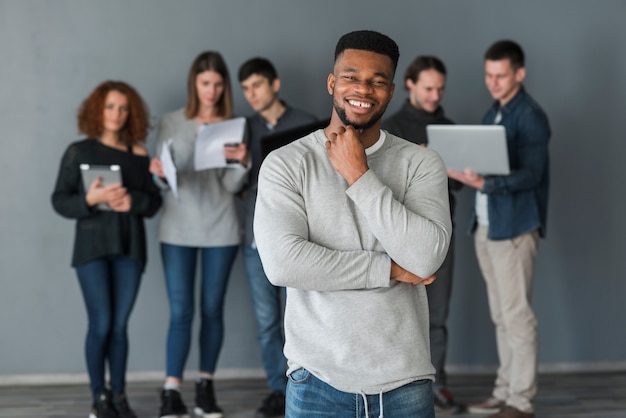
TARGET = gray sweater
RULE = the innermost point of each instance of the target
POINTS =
(205, 215)
(331, 245)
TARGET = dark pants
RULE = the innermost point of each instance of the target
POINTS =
(267, 300)
(438, 307)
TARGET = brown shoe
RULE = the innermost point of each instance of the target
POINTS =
(488, 406)
(510, 412)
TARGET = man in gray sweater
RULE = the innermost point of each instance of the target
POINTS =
(354, 222)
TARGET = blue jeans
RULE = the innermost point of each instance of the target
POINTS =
(268, 309)
(179, 263)
(309, 397)
(109, 286)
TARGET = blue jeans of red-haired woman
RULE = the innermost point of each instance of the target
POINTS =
(109, 286)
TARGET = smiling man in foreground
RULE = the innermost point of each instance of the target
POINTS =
(354, 222)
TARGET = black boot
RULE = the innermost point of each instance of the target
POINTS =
(206, 406)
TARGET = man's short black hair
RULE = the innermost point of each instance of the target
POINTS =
(506, 49)
(369, 40)
(423, 63)
(260, 66)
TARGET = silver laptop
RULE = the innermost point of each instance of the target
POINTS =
(480, 148)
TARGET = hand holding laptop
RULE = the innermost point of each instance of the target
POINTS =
(468, 177)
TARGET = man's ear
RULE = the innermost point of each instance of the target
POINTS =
(409, 84)
(330, 84)
(520, 74)
(276, 85)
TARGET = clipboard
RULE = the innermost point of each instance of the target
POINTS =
(110, 174)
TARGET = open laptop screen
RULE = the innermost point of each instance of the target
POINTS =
(276, 140)
(480, 148)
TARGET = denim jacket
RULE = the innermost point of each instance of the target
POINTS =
(518, 203)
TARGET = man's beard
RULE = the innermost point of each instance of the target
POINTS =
(341, 112)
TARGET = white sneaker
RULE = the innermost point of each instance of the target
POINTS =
(488, 406)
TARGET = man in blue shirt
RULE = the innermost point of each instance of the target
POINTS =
(260, 84)
(509, 217)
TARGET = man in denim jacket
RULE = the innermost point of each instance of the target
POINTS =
(508, 218)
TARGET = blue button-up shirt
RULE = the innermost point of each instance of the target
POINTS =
(518, 203)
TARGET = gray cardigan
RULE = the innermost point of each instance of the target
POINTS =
(331, 245)
(205, 215)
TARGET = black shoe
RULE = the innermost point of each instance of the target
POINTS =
(206, 406)
(444, 402)
(172, 405)
(102, 407)
(120, 404)
(273, 406)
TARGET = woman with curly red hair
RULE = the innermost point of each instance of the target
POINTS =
(110, 241)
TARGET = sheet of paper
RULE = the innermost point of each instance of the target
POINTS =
(169, 169)
(209, 152)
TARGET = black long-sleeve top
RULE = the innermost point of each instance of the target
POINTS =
(410, 123)
(102, 233)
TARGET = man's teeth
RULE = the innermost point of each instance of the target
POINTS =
(359, 104)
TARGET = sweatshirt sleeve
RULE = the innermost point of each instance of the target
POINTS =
(289, 257)
(415, 232)
(235, 177)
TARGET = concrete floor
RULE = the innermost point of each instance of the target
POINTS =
(580, 395)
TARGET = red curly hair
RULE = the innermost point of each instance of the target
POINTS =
(91, 112)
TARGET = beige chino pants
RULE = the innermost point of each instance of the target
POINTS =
(507, 267)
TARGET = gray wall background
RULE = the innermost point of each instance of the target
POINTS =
(53, 53)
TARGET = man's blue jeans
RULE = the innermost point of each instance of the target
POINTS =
(109, 286)
(309, 397)
(267, 300)
(179, 263)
